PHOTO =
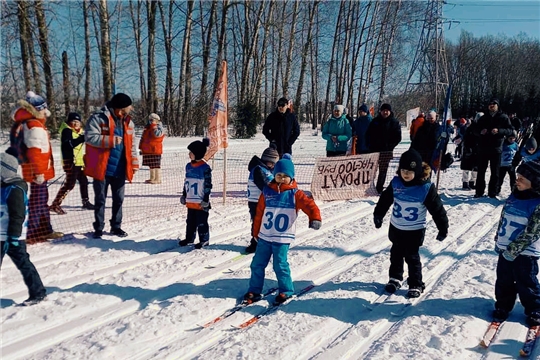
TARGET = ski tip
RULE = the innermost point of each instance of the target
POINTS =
(523, 353)
(483, 344)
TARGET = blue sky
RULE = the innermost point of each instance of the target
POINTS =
(492, 18)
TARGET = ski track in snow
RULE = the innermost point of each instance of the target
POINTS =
(147, 302)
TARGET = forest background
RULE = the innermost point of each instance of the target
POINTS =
(167, 56)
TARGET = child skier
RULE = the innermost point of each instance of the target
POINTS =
(509, 150)
(412, 193)
(196, 195)
(14, 220)
(260, 175)
(274, 227)
(530, 151)
(518, 247)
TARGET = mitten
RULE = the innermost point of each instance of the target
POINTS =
(39, 179)
(378, 221)
(183, 200)
(315, 224)
(205, 205)
(508, 255)
(441, 236)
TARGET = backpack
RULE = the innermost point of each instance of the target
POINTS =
(16, 138)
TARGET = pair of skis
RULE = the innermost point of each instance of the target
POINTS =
(266, 311)
(533, 332)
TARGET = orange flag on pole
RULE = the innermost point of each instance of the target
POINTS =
(217, 119)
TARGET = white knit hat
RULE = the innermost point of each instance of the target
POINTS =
(8, 167)
(154, 116)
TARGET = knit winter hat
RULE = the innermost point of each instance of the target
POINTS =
(340, 108)
(531, 171)
(8, 167)
(36, 101)
(198, 148)
(386, 107)
(120, 101)
(282, 101)
(363, 108)
(154, 116)
(531, 144)
(73, 116)
(270, 154)
(411, 160)
(285, 166)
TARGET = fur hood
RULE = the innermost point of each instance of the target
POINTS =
(26, 111)
(426, 172)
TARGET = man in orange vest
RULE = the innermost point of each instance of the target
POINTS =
(111, 158)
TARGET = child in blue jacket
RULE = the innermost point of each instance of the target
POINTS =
(509, 150)
(518, 247)
(14, 224)
(274, 227)
(196, 195)
(260, 175)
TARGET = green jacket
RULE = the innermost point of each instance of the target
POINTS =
(339, 127)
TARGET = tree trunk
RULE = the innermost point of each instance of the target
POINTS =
(47, 68)
(182, 91)
(288, 64)
(167, 100)
(65, 73)
(87, 63)
(137, 25)
(22, 14)
(105, 50)
(152, 102)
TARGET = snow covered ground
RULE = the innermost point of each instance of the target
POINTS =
(142, 297)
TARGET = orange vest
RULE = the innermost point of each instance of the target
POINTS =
(96, 158)
(150, 144)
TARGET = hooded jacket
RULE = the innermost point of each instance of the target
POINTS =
(37, 156)
(100, 130)
(152, 139)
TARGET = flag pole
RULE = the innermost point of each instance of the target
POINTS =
(224, 175)
(443, 139)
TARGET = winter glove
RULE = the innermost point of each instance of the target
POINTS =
(315, 224)
(441, 236)
(183, 200)
(205, 205)
(378, 221)
(39, 179)
(13, 240)
(508, 255)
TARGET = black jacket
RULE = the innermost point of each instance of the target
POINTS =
(16, 206)
(432, 202)
(425, 140)
(383, 134)
(282, 129)
(69, 143)
(492, 143)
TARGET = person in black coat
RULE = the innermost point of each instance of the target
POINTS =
(425, 140)
(383, 135)
(281, 128)
(469, 157)
(490, 131)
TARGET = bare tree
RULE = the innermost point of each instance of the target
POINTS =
(152, 101)
(105, 50)
(47, 67)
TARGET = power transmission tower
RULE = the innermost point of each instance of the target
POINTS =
(428, 77)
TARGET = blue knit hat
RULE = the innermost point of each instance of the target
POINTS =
(36, 101)
(285, 166)
(363, 108)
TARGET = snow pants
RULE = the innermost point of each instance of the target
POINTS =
(518, 277)
(266, 249)
(197, 221)
(405, 246)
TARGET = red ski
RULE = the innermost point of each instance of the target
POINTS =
(490, 334)
(530, 341)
